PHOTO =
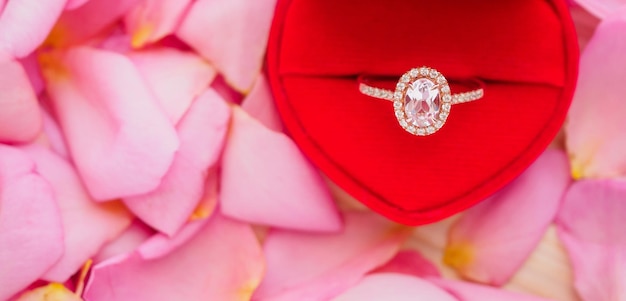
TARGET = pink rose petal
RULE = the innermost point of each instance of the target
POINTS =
(24, 24)
(466, 291)
(20, 116)
(86, 224)
(151, 20)
(602, 8)
(591, 227)
(396, 287)
(223, 261)
(585, 23)
(201, 132)
(161, 245)
(232, 34)
(129, 240)
(87, 20)
(31, 67)
(260, 105)
(52, 136)
(208, 204)
(595, 128)
(50, 292)
(222, 87)
(116, 41)
(267, 180)
(410, 262)
(491, 241)
(74, 4)
(176, 77)
(119, 139)
(303, 266)
(31, 233)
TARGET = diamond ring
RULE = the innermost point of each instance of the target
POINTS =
(422, 100)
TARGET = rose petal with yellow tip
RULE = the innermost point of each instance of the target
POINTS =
(201, 132)
(309, 266)
(50, 292)
(594, 130)
(151, 20)
(86, 21)
(491, 241)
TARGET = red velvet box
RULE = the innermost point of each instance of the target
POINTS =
(524, 50)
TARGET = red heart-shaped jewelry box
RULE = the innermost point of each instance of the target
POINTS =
(525, 51)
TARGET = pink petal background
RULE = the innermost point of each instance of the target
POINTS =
(138, 101)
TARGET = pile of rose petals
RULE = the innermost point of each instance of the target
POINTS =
(141, 159)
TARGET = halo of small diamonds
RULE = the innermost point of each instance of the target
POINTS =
(441, 101)
(422, 99)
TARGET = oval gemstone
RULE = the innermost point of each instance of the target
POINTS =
(422, 102)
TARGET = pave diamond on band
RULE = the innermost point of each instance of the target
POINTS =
(422, 100)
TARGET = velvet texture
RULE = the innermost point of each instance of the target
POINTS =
(524, 50)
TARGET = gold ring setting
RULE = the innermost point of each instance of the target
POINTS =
(422, 100)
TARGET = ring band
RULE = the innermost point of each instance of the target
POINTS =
(422, 100)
